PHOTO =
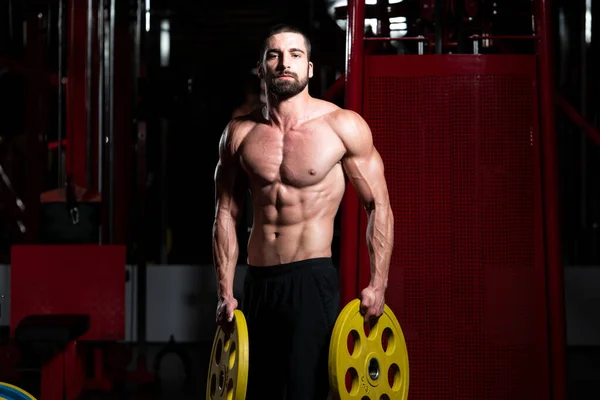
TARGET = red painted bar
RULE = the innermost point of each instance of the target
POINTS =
(592, 132)
(335, 89)
(350, 204)
(424, 39)
(555, 282)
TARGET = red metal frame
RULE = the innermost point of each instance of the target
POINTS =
(78, 279)
(350, 205)
(353, 268)
(468, 274)
(71, 279)
(555, 281)
(567, 108)
(51, 79)
(76, 122)
(335, 89)
(424, 39)
(75, 144)
(63, 376)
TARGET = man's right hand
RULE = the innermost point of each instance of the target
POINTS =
(225, 308)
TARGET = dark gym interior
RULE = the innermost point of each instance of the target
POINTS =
(110, 116)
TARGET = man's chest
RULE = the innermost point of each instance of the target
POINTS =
(301, 157)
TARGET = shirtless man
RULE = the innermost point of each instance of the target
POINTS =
(291, 155)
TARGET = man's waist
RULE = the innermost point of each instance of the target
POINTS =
(265, 271)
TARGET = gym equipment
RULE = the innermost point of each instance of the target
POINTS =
(181, 352)
(11, 392)
(363, 355)
(10, 357)
(64, 299)
(228, 370)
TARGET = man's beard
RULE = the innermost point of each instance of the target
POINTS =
(285, 88)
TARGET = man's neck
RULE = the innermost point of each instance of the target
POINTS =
(286, 114)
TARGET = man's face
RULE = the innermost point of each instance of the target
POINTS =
(285, 68)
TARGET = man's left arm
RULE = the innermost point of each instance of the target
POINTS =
(365, 170)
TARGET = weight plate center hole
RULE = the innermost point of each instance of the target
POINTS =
(374, 371)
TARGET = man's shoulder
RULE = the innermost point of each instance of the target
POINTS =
(250, 119)
(345, 115)
(241, 125)
(344, 121)
(334, 114)
(351, 128)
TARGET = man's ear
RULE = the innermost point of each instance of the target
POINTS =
(310, 69)
(259, 70)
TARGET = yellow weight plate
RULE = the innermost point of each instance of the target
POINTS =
(368, 361)
(228, 370)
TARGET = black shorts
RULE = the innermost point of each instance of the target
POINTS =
(290, 310)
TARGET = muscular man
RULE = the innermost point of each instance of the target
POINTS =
(291, 155)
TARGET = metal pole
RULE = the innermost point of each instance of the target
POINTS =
(88, 96)
(583, 144)
(101, 97)
(48, 37)
(164, 190)
(350, 211)
(141, 296)
(354, 54)
(460, 10)
(101, 100)
(137, 56)
(111, 125)
(61, 91)
(555, 283)
(141, 270)
(438, 12)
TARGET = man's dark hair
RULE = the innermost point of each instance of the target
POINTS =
(285, 28)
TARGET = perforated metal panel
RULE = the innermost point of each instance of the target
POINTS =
(77, 279)
(459, 136)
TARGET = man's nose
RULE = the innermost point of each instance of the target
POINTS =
(284, 61)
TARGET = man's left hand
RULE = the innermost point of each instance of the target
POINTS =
(372, 300)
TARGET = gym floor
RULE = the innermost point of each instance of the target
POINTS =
(583, 370)
(583, 373)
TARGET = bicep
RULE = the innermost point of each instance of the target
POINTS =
(362, 162)
(230, 189)
(230, 182)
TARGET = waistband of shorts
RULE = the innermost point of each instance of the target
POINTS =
(287, 268)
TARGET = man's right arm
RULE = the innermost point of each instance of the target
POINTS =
(229, 197)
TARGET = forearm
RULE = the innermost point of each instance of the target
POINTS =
(225, 253)
(380, 243)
